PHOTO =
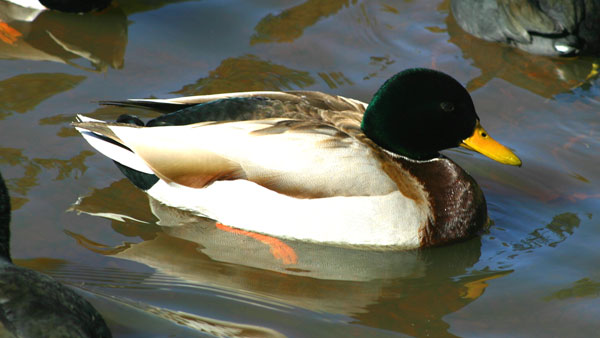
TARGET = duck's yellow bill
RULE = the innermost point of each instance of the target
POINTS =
(484, 144)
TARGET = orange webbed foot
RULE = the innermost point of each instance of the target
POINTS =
(8, 34)
(278, 249)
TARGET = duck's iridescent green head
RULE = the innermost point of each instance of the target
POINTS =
(418, 112)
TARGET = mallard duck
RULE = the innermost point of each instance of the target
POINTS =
(71, 6)
(35, 305)
(312, 166)
(546, 27)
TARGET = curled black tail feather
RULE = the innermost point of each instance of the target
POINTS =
(159, 107)
(139, 179)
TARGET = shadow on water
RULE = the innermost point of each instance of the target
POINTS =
(250, 73)
(22, 93)
(290, 24)
(390, 290)
(582, 288)
(32, 167)
(247, 73)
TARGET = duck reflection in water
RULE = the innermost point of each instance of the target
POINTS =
(34, 34)
(409, 291)
(369, 286)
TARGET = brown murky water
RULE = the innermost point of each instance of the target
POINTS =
(75, 217)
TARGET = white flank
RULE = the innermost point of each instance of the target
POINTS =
(387, 220)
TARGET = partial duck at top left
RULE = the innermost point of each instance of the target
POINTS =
(70, 6)
(35, 33)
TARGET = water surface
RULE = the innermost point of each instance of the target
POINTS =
(75, 217)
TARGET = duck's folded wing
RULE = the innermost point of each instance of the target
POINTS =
(289, 99)
(291, 157)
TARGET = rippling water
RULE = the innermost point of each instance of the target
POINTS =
(534, 273)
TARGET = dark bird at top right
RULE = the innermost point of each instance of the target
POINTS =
(544, 27)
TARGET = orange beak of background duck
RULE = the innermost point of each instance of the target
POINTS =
(484, 144)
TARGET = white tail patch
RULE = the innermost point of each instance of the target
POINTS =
(111, 150)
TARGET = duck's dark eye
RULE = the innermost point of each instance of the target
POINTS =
(447, 106)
